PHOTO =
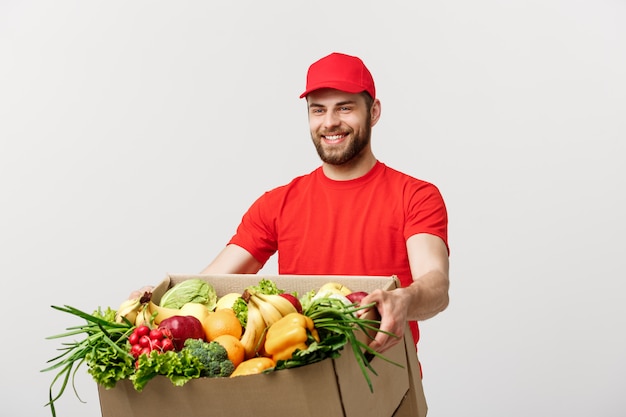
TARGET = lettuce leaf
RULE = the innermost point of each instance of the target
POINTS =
(178, 367)
(193, 290)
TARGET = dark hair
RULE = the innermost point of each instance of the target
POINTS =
(369, 101)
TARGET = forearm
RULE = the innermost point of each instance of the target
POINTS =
(428, 293)
(424, 298)
(427, 296)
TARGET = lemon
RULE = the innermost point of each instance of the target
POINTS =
(227, 300)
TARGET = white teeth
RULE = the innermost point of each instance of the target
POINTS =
(333, 137)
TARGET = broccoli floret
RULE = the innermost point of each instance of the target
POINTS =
(212, 356)
(224, 368)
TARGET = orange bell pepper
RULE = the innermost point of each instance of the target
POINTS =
(253, 366)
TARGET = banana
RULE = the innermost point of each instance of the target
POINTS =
(269, 313)
(281, 304)
(162, 312)
(248, 340)
(143, 316)
(129, 310)
(255, 329)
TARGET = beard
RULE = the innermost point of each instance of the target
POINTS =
(346, 154)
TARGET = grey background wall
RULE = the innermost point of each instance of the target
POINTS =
(135, 134)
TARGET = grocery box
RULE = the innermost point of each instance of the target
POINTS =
(330, 388)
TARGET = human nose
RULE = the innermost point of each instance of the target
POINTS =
(330, 120)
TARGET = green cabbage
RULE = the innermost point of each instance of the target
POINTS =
(193, 290)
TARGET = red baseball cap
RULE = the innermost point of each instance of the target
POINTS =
(341, 72)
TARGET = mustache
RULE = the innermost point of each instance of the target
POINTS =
(334, 132)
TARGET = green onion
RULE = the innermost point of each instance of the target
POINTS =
(332, 316)
(100, 334)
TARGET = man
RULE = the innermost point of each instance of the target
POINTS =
(353, 215)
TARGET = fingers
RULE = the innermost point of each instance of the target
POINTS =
(138, 293)
(383, 341)
(392, 320)
(371, 298)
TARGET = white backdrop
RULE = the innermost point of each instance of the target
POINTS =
(135, 134)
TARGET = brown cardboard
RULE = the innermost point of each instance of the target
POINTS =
(334, 387)
(414, 402)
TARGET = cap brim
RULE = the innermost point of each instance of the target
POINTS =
(341, 86)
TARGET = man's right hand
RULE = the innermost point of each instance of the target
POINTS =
(138, 293)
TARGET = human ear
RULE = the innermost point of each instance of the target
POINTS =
(375, 112)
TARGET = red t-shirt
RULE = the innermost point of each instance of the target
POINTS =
(321, 226)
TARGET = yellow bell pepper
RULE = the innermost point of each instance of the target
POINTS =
(288, 334)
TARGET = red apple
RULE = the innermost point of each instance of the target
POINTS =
(183, 328)
(356, 296)
(293, 300)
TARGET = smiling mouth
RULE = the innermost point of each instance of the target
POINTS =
(333, 138)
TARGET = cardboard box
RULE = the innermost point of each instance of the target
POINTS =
(331, 388)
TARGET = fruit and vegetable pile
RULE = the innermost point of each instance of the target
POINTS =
(192, 333)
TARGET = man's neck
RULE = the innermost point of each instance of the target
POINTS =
(356, 168)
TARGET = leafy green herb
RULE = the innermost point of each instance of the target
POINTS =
(178, 367)
(240, 307)
(267, 286)
(103, 348)
(306, 299)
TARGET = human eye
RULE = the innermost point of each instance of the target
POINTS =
(345, 107)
